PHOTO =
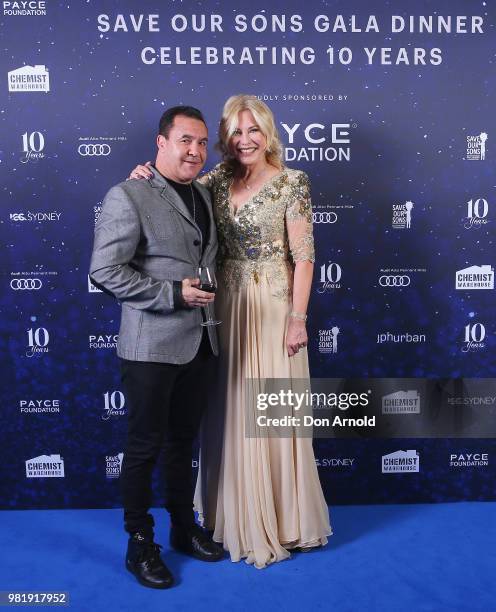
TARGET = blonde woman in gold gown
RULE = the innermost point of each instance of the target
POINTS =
(261, 496)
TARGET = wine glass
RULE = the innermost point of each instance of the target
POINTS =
(208, 283)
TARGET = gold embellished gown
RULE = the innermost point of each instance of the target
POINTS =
(260, 495)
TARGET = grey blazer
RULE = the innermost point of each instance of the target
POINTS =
(146, 242)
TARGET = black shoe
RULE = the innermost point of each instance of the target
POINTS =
(195, 542)
(143, 560)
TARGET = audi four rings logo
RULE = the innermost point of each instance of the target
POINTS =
(87, 150)
(394, 281)
(324, 217)
(25, 284)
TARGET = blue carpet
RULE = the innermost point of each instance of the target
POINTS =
(386, 558)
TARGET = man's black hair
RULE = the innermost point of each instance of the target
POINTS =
(167, 119)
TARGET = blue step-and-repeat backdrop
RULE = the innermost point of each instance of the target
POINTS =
(389, 108)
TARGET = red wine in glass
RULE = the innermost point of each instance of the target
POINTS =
(208, 282)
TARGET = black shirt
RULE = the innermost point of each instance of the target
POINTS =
(193, 199)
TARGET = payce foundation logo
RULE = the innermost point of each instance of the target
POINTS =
(400, 462)
(113, 465)
(461, 460)
(114, 404)
(401, 402)
(45, 466)
(402, 215)
(330, 277)
(103, 341)
(475, 277)
(39, 406)
(476, 147)
(319, 137)
(33, 144)
(25, 8)
(328, 340)
(29, 78)
(475, 334)
(477, 212)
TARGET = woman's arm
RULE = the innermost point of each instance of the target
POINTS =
(141, 171)
(301, 244)
(297, 332)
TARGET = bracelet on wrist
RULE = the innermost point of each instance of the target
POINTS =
(298, 315)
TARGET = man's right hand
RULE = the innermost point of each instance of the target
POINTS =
(194, 297)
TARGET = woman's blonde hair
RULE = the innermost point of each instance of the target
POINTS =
(265, 121)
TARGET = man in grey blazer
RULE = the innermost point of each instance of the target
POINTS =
(150, 240)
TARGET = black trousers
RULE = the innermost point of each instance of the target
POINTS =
(165, 404)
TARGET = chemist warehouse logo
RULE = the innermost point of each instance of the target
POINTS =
(401, 402)
(45, 466)
(400, 462)
(26, 8)
(29, 78)
(317, 142)
(475, 277)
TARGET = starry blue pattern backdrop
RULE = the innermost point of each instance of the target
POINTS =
(371, 138)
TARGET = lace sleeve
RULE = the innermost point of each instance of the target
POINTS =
(299, 220)
(209, 178)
